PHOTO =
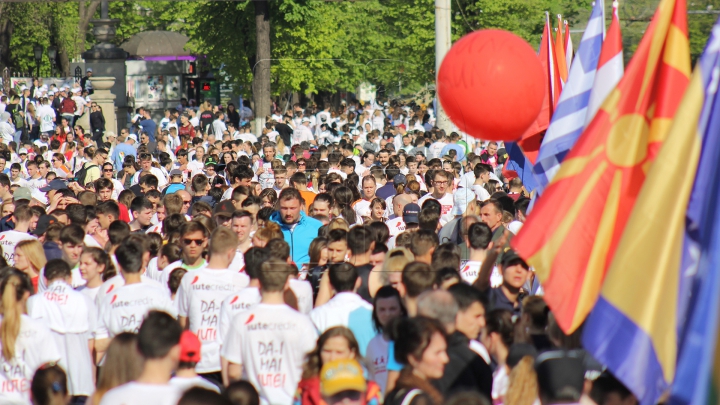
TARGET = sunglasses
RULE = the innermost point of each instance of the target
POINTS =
(108, 170)
(191, 241)
(186, 202)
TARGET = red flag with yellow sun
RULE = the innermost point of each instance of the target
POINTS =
(572, 233)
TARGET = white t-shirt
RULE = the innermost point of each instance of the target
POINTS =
(77, 280)
(71, 317)
(396, 226)
(480, 193)
(91, 293)
(470, 270)
(199, 298)
(125, 309)
(113, 283)
(446, 203)
(46, 114)
(346, 309)
(270, 342)
(33, 348)
(186, 383)
(165, 274)
(143, 394)
(301, 134)
(238, 263)
(376, 357)
(232, 305)
(8, 241)
(362, 207)
(304, 294)
(435, 150)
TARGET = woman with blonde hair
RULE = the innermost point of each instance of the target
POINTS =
(390, 271)
(16, 288)
(523, 386)
(123, 364)
(30, 259)
(338, 223)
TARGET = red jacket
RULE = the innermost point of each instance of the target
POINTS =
(67, 106)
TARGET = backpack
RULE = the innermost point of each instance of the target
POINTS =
(82, 174)
(18, 119)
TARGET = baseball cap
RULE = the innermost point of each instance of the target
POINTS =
(561, 376)
(210, 161)
(133, 137)
(23, 151)
(176, 172)
(189, 347)
(43, 223)
(225, 209)
(461, 199)
(510, 257)
(38, 195)
(306, 119)
(341, 375)
(22, 193)
(370, 146)
(399, 179)
(89, 70)
(54, 185)
(410, 213)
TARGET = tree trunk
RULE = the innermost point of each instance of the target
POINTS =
(6, 30)
(261, 73)
(86, 13)
(64, 60)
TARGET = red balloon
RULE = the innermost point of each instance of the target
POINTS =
(491, 85)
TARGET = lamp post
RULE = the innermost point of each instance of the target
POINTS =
(52, 55)
(38, 49)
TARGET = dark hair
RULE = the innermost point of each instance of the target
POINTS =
(313, 361)
(118, 231)
(412, 337)
(172, 223)
(73, 234)
(49, 381)
(242, 393)
(56, 268)
(500, 321)
(202, 396)
(422, 241)
(343, 199)
(380, 232)
(77, 214)
(479, 235)
(149, 180)
(278, 249)
(343, 277)
(129, 255)
(175, 278)
(466, 295)
(445, 258)
(417, 277)
(359, 240)
(158, 333)
(140, 203)
(386, 291)
(254, 258)
(428, 219)
(109, 207)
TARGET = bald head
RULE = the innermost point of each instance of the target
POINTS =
(185, 197)
(439, 305)
(399, 202)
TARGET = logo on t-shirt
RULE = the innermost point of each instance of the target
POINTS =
(249, 319)
(114, 296)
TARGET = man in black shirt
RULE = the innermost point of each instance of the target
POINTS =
(284, 130)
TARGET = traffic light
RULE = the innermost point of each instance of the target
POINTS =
(205, 86)
(191, 68)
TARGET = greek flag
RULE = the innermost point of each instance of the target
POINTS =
(568, 121)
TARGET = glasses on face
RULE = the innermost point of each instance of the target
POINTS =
(53, 160)
(301, 164)
(191, 241)
(186, 202)
(108, 170)
(440, 183)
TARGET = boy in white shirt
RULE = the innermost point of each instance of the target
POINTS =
(267, 344)
(478, 240)
(346, 307)
(159, 344)
(124, 309)
(201, 294)
(71, 317)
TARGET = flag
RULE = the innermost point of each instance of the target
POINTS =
(610, 66)
(518, 162)
(560, 52)
(531, 139)
(638, 327)
(568, 46)
(568, 121)
(571, 235)
(698, 299)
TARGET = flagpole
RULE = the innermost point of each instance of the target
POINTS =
(443, 41)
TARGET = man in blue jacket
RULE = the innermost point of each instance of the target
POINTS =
(298, 229)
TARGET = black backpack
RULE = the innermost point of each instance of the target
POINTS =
(82, 174)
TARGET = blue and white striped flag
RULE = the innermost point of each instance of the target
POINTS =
(568, 121)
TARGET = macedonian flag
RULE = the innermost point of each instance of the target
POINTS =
(572, 233)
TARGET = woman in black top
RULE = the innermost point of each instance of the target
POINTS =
(233, 115)
(97, 123)
(420, 346)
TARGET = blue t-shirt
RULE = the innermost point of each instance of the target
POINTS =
(150, 127)
(119, 154)
(392, 364)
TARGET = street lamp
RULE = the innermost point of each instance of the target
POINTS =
(38, 49)
(52, 55)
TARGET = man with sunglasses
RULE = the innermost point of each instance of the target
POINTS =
(193, 241)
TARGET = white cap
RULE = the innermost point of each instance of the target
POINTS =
(44, 87)
(306, 119)
(23, 150)
(461, 199)
(39, 195)
(133, 137)
(51, 93)
(87, 98)
(23, 88)
(89, 70)
(514, 227)
(76, 90)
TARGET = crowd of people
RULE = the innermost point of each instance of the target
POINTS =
(348, 255)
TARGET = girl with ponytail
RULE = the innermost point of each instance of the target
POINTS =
(343, 200)
(26, 343)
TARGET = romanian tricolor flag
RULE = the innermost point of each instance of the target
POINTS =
(655, 322)
(571, 236)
